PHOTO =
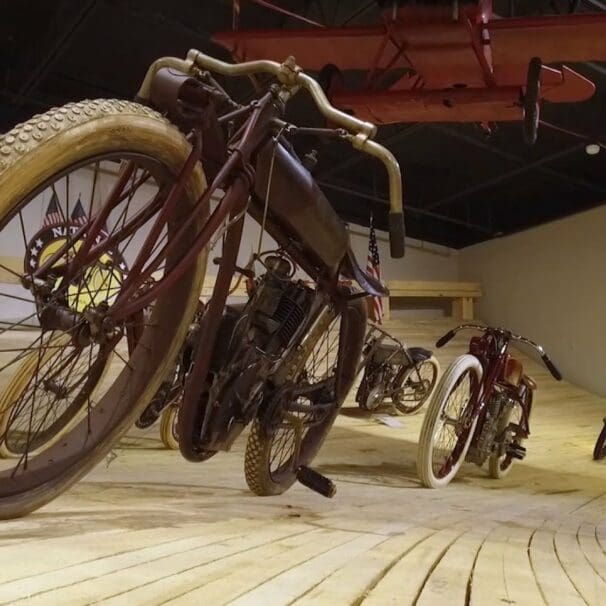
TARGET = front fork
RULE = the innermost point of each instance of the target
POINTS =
(190, 421)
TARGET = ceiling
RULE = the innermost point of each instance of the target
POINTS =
(461, 186)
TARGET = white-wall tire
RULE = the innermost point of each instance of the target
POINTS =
(432, 422)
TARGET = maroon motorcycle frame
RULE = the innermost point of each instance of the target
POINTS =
(499, 368)
(260, 175)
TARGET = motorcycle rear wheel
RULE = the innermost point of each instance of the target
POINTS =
(269, 465)
(412, 387)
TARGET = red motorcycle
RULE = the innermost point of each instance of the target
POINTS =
(481, 408)
(121, 286)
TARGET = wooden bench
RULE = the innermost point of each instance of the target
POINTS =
(462, 294)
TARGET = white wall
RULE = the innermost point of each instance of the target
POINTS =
(549, 283)
(422, 261)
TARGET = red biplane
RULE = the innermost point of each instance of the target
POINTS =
(442, 64)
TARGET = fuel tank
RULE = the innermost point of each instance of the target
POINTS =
(299, 209)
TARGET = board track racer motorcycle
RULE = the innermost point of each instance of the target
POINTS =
(481, 408)
(147, 171)
(405, 375)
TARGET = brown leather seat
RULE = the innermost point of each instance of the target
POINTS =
(529, 382)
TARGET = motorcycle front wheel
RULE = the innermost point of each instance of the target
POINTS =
(57, 173)
(445, 433)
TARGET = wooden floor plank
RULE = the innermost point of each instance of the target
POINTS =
(348, 583)
(151, 528)
(590, 585)
(404, 581)
(286, 587)
(554, 583)
(450, 581)
(124, 579)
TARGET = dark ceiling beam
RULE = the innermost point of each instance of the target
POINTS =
(55, 50)
(538, 166)
(394, 138)
(407, 208)
(505, 176)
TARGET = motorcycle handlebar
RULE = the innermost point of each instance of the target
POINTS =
(446, 338)
(553, 369)
(292, 77)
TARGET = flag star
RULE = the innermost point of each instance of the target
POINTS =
(32, 263)
(33, 251)
(39, 243)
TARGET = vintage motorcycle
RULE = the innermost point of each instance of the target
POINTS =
(283, 362)
(405, 375)
(599, 450)
(480, 410)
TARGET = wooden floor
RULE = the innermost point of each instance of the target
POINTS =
(150, 528)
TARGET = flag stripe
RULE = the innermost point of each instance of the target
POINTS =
(373, 268)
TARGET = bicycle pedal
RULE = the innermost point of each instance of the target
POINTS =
(316, 482)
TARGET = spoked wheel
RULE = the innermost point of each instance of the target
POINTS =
(169, 427)
(413, 386)
(61, 395)
(81, 188)
(374, 399)
(599, 451)
(371, 392)
(446, 431)
(302, 422)
(500, 463)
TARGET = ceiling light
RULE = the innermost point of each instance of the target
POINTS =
(592, 149)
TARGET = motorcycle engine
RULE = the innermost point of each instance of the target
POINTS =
(279, 307)
(496, 409)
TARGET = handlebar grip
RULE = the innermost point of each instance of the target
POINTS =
(445, 338)
(555, 373)
(397, 235)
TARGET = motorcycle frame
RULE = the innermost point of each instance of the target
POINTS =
(236, 177)
(491, 351)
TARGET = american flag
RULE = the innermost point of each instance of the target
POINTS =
(373, 267)
(53, 214)
(78, 215)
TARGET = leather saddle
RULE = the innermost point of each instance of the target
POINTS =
(394, 354)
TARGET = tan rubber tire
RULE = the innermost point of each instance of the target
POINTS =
(32, 153)
(431, 422)
(167, 427)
